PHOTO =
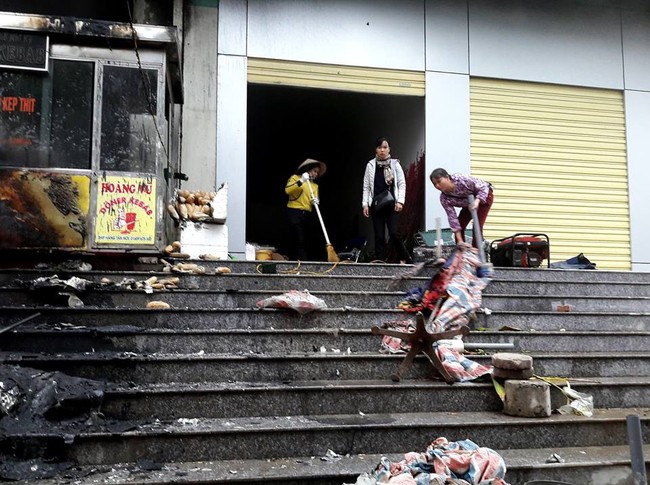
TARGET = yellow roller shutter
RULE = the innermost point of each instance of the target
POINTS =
(556, 156)
(342, 78)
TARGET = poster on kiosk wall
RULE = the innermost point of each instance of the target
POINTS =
(126, 210)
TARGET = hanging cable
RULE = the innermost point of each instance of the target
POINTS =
(145, 85)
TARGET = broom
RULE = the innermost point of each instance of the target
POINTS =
(332, 257)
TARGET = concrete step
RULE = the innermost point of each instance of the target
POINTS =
(312, 435)
(565, 303)
(223, 318)
(500, 273)
(347, 282)
(233, 281)
(596, 465)
(569, 321)
(330, 318)
(110, 298)
(125, 262)
(545, 274)
(603, 289)
(240, 399)
(114, 298)
(311, 267)
(152, 340)
(237, 266)
(227, 370)
(208, 367)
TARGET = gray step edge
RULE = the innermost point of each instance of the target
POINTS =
(307, 468)
(278, 424)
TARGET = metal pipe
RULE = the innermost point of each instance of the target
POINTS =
(477, 345)
(477, 229)
(460, 346)
(635, 439)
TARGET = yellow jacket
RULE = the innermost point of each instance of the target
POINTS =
(299, 195)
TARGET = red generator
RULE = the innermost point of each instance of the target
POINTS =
(522, 250)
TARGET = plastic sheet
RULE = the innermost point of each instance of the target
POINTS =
(581, 404)
(300, 301)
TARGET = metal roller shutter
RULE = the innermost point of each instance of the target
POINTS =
(556, 156)
(343, 78)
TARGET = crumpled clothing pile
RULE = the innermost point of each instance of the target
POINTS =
(457, 462)
(457, 286)
(460, 367)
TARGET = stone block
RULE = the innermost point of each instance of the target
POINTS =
(521, 374)
(528, 399)
(508, 360)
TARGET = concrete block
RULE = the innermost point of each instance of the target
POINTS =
(528, 399)
(521, 374)
(507, 360)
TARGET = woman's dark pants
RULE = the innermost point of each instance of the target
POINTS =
(388, 218)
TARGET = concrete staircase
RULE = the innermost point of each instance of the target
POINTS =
(215, 390)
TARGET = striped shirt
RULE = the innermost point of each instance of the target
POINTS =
(463, 186)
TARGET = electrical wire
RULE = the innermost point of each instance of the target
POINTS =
(147, 92)
(296, 270)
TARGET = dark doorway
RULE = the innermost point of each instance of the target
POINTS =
(286, 125)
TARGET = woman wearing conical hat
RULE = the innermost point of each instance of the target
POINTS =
(300, 204)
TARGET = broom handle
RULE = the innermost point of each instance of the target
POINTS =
(320, 218)
(13, 325)
(477, 228)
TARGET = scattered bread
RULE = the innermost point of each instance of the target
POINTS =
(195, 206)
(179, 255)
(158, 305)
(173, 212)
(210, 257)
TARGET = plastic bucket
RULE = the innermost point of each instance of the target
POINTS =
(264, 254)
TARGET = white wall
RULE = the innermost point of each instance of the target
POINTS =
(636, 52)
(554, 41)
(231, 145)
(232, 27)
(372, 33)
(636, 49)
(447, 135)
(446, 36)
(637, 117)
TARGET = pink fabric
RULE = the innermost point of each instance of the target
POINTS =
(394, 345)
(460, 367)
(443, 462)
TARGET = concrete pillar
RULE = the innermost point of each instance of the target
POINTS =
(199, 135)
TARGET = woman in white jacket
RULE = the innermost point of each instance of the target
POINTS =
(384, 174)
